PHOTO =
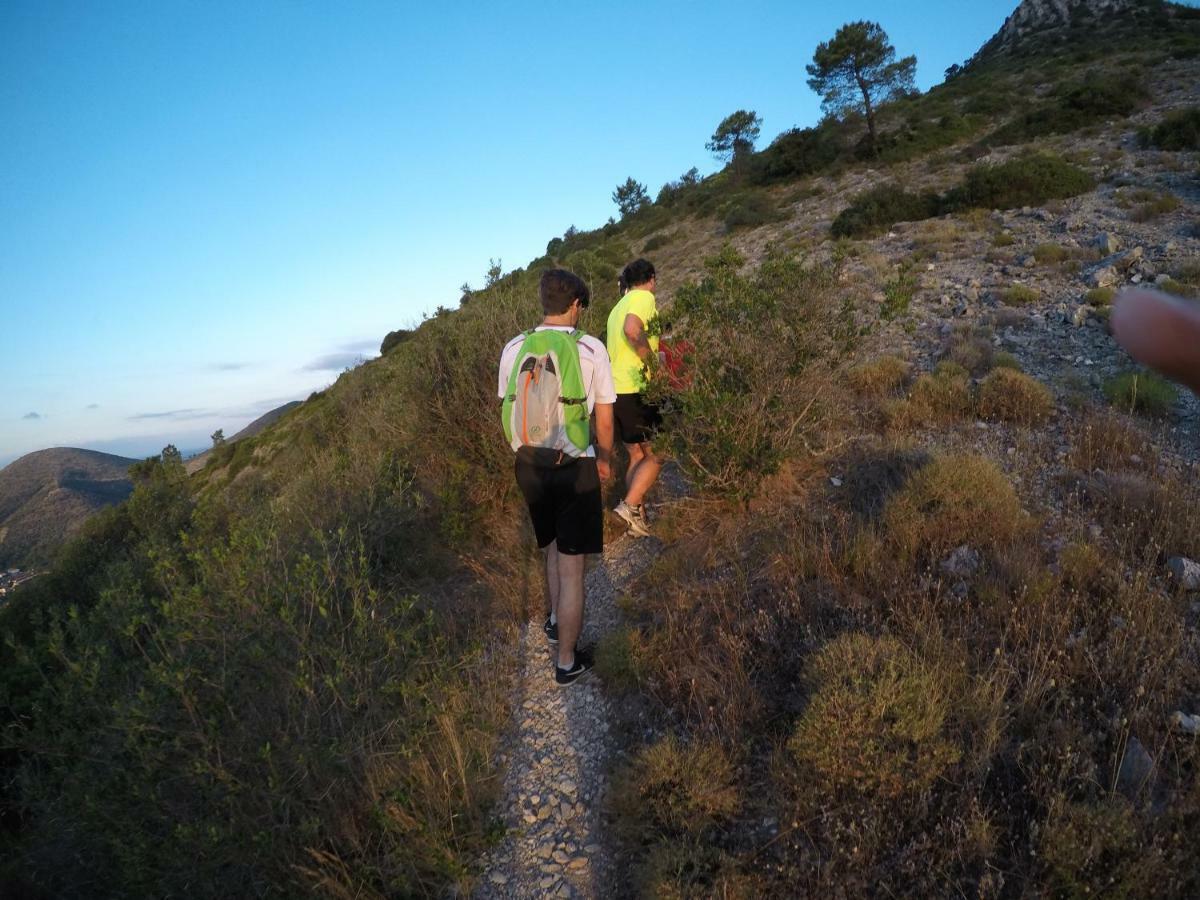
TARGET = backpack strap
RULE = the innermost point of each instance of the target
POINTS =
(577, 335)
(524, 337)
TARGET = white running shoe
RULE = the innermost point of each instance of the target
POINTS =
(635, 518)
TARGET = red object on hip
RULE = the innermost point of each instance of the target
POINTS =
(675, 364)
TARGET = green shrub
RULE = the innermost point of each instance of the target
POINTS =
(1094, 99)
(939, 398)
(878, 209)
(1012, 396)
(749, 210)
(797, 153)
(922, 135)
(1050, 253)
(898, 292)
(1100, 297)
(1179, 130)
(1028, 181)
(1142, 392)
(1005, 360)
(1152, 209)
(1096, 849)
(617, 659)
(954, 500)
(1019, 295)
(766, 341)
(657, 242)
(673, 789)
(893, 714)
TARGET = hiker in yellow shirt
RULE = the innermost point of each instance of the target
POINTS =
(630, 347)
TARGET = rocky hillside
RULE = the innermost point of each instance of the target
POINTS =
(46, 496)
(1056, 19)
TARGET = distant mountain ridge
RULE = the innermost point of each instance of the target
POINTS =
(46, 496)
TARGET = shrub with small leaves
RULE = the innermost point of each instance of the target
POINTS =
(959, 499)
(1011, 396)
(877, 210)
(1019, 295)
(1028, 181)
(1180, 130)
(674, 789)
(1142, 392)
(892, 713)
(1100, 297)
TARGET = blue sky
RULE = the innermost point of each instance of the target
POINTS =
(210, 208)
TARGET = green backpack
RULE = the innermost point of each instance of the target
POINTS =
(545, 413)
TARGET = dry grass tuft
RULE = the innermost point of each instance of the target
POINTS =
(891, 710)
(952, 501)
(970, 346)
(940, 398)
(880, 376)
(1104, 440)
(1010, 396)
(1019, 295)
(675, 789)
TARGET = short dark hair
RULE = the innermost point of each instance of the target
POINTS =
(638, 272)
(559, 288)
(622, 284)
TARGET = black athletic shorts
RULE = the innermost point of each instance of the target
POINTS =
(564, 504)
(636, 419)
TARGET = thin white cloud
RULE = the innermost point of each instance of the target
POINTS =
(175, 415)
(334, 362)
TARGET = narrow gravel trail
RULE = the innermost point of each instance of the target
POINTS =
(559, 752)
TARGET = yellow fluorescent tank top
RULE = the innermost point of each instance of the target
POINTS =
(628, 377)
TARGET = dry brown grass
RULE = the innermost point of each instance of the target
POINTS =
(970, 346)
(892, 710)
(1007, 395)
(880, 376)
(1105, 440)
(952, 501)
(939, 398)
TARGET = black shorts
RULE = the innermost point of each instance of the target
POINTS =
(564, 505)
(636, 419)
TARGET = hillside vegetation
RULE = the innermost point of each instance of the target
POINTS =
(914, 633)
(46, 496)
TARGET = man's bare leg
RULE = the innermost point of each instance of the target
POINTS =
(635, 456)
(570, 605)
(643, 475)
(551, 573)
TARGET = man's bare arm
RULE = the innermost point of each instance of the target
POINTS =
(636, 333)
(604, 439)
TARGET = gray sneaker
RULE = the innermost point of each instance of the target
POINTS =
(635, 518)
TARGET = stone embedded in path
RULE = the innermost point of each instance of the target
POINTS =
(1137, 768)
(1107, 243)
(1105, 276)
(1186, 723)
(1184, 572)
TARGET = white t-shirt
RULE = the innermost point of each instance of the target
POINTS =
(593, 363)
